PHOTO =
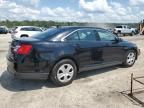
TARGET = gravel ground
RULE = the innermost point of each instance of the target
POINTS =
(105, 88)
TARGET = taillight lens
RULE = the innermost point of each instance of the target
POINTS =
(24, 49)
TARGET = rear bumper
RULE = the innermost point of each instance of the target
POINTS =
(26, 75)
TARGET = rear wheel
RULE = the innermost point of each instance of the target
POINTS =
(64, 72)
(119, 34)
(130, 58)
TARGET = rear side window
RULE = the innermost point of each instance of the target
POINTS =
(86, 35)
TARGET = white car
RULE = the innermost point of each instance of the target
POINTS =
(25, 31)
(124, 29)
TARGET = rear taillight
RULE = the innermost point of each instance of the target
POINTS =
(23, 49)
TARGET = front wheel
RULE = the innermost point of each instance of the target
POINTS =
(133, 33)
(130, 58)
(64, 72)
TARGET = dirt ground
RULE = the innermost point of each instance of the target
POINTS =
(105, 88)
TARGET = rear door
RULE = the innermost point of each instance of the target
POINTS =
(113, 51)
(86, 47)
(91, 50)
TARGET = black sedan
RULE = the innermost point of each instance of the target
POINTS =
(61, 53)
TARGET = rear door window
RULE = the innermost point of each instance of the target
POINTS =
(73, 37)
(86, 35)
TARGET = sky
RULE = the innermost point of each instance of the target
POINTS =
(100, 11)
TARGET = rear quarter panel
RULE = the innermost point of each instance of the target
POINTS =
(51, 52)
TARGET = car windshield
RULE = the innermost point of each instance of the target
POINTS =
(49, 33)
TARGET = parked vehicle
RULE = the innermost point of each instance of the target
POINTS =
(11, 30)
(25, 31)
(124, 29)
(3, 30)
(61, 53)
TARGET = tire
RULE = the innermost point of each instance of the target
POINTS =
(133, 33)
(130, 58)
(119, 34)
(64, 72)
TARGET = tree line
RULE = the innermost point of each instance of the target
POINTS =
(48, 24)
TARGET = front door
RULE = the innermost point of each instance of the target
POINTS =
(112, 50)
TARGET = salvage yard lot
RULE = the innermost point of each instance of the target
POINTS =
(104, 88)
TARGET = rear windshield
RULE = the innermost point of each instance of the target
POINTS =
(50, 33)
